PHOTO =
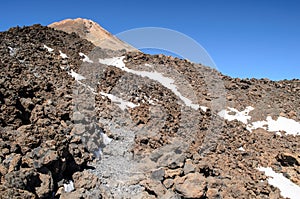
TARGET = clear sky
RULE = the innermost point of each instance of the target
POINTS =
(245, 38)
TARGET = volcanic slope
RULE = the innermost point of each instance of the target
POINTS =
(79, 121)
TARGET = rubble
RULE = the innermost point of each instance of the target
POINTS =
(62, 137)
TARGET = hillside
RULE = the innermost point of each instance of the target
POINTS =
(80, 121)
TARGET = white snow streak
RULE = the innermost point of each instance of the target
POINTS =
(48, 48)
(76, 75)
(204, 108)
(12, 51)
(165, 81)
(120, 102)
(287, 188)
(62, 55)
(241, 149)
(86, 58)
(123, 104)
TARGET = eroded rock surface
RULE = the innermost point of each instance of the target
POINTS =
(76, 127)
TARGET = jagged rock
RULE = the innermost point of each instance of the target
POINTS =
(287, 159)
(15, 162)
(85, 180)
(3, 170)
(188, 167)
(170, 195)
(192, 185)
(37, 112)
(158, 174)
(49, 157)
(19, 179)
(8, 193)
(46, 187)
(213, 193)
(75, 194)
(155, 187)
(168, 183)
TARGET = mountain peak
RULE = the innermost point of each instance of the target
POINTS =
(93, 32)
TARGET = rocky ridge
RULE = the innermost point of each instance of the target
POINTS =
(81, 121)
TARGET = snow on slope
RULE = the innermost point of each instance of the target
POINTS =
(287, 188)
(86, 58)
(63, 55)
(242, 116)
(204, 108)
(76, 76)
(120, 102)
(291, 127)
(12, 51)
(49, 49)
(165, 81)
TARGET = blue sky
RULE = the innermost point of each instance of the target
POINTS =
(253, 38)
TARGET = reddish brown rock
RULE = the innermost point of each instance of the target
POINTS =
(46, 187)
(85, 180)
(93, 32)
(192, 185)
(155, 187)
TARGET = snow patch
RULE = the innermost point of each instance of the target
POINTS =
(278, 133)
(234, 114)
(165, 81)
(287, 188)
(63, 55)
(241, 149)
(204, 108)
(120, 102)
(76, 75)
(12, 51)
(48, 48)
(79, 77)
(106, 140)
(291, 127)
(256, 125)
(86, 58)
(69, 187)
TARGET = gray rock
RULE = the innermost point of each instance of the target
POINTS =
(189, 167)
(158, 174)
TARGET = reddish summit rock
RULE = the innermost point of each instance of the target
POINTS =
(90, 30)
